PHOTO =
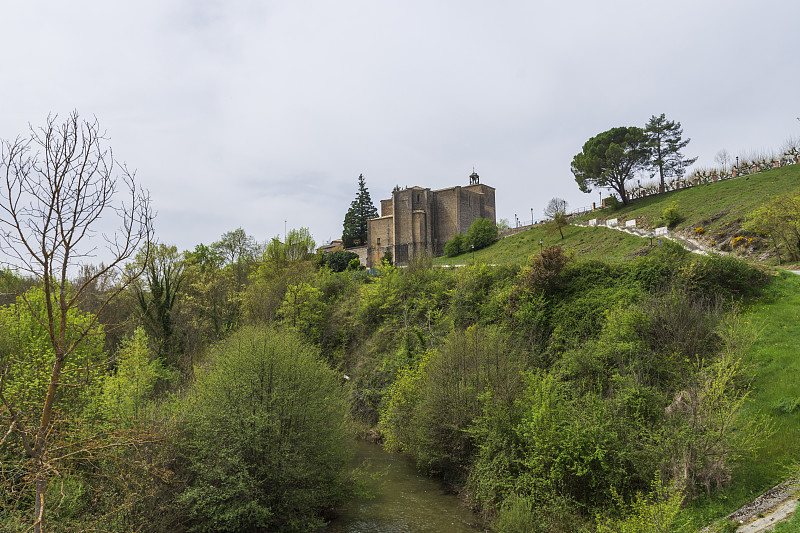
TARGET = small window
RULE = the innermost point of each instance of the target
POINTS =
(379, 241)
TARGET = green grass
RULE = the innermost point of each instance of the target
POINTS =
(713, 204)
(585, 243)
(775, 362)
(719, 208)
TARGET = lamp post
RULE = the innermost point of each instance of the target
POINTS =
(473, 253)
(651, 238)
(541, 246)
(531, 216)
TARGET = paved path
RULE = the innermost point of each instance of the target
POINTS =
(783, 512)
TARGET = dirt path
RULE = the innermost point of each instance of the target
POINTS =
(774, 506)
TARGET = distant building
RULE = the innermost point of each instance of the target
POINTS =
(416, 219)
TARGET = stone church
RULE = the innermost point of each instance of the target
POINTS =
(416, 219)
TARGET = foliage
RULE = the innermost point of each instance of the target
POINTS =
(779, 221)
(655, 512)
(302, 309)
(239, 252)
(610, 159)
(433, 404)
(265, 423)
(665, 142)
(127, 391)
(361, 209)
(299, 246)
(27, 358)
(671, 216)
(58, 183)
(456, 245)
(481, 233)
(556, 211)
(339, 260)
(163, 273)
(354, 265)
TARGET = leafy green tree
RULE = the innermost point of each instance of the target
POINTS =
(302, 308)
(610, 159)
(481, 233)
(779, 221)
(265, 439)
(455, 246)
(337, 261)
(157, 296)
(665, 142)
(127, 391)
(556, 211)
(299, 246)
(239, 252)
(355, 220)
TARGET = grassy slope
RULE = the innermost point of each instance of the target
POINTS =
(595, 243)
(718, 208)
(776, 376)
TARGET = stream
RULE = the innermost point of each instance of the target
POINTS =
(405, 501)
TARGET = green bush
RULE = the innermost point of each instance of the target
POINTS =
(455, 246)
(481, 233)
(339, 260)
(264, 439)
(671, 216)
(433, 404)
(723, 275)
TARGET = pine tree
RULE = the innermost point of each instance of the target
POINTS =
(355, 221)
(665, 144)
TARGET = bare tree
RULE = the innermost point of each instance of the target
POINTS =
(556, 211)
(59, 188)
(723, 158)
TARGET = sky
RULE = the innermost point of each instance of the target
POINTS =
(262, 114)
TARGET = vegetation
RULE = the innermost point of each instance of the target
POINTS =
(361, 209)
(603, 384)
(481, 233)
(665, 141)
(610, 159)
(556, 211)
(264, 437)
(57, 184)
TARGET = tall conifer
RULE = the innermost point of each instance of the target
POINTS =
(355, 220)
(665, 143)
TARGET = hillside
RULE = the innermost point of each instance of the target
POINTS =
(713, 215)
(718, 208)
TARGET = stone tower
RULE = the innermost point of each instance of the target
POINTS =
(416, 219)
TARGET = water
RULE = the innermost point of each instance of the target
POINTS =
(405, 501)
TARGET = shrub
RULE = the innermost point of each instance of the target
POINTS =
(671, 216)
(455, 246)
(264, 437)
(481, 233)
(339, 260)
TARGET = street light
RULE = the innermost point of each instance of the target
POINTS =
(473, 253)
(541, 246)
(531, 216)
(651, 238)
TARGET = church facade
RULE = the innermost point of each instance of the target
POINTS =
(416, 220)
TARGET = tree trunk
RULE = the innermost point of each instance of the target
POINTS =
(38, 513)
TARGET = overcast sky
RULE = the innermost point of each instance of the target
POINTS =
(261, 114)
